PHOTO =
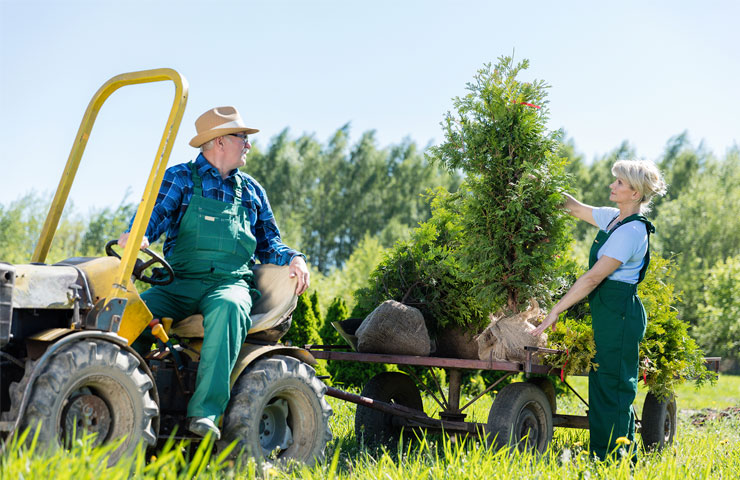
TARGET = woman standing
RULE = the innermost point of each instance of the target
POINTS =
(619, 258)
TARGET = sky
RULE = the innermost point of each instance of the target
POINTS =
(632, 71)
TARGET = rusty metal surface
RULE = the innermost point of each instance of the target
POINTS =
(87, 413)
(569, 421)
(438, 362)
(405, 416)
(712, 363)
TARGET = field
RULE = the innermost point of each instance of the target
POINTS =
(707, 447)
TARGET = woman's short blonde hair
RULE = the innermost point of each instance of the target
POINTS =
(644, 177)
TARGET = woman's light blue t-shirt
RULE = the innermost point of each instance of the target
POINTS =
(628, 244)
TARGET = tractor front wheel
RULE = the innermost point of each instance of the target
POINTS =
(93, 387)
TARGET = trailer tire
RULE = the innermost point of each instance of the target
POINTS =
(278, 410)
(93, 385)
(520, 417)
(548, 389)
(658, 426)
(374, 427)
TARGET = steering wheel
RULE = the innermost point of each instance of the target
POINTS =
(159, 276)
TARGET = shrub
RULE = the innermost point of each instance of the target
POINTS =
(305, 327)
(424, 272)
(668, 355)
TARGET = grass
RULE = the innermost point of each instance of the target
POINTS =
(710, 451)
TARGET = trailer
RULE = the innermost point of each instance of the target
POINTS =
(523, 414)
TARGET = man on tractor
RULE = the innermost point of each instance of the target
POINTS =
(217, 220)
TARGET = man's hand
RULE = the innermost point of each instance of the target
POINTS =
(123, 239)
(550, 319)
(298, 268)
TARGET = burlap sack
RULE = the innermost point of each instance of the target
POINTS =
(394, 328)
(505, 337)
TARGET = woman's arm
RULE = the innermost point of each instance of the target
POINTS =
(579, 210)
(583, 286)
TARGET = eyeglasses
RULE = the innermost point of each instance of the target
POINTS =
(243, 137)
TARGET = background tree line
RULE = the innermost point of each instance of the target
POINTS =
(343, 204)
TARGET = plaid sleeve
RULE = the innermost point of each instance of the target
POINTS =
(270, 247)
(166, 206)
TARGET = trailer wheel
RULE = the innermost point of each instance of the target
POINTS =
(96, 387)
(278, 410)
(375, 427)
(548, 389)
(658, 426)
(520, 416)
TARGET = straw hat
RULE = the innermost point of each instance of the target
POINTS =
(218, 122)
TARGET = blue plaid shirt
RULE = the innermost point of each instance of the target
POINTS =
(177, 190)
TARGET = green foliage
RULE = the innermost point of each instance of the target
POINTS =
(702, 227)
(511, 212)
(21, 222)
(702, 452)
(575, 340)
(718, 330)
(342, 282)
(305, 327)
(104, 225)
(327, 198)
(315, 307)
(20, 228)
(336, 313)
(425, 273)
(680, 164)
(668, 355)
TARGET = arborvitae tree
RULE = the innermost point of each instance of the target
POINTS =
(316, 308)
(305, 327)
(512, 218)
(337, 312)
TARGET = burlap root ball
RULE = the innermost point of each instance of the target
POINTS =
(394, 328)
(505, 337)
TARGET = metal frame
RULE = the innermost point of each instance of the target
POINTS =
(118, 289)
(452, 418)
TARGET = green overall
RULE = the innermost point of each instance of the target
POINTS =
(618, 320)
(211, 260)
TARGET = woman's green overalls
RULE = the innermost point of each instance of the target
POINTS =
(211, 259)
(619, 321)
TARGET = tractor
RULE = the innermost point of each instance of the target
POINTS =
(66, 364)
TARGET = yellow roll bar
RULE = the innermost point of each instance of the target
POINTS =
(155, 177)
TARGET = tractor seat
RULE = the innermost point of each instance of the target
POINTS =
(276, 304)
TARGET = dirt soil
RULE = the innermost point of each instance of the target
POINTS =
(701, 417)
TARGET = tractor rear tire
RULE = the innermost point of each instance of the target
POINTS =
(520, 417)
(93, 386)
(376, 428)
(658, 425)
(278, 411)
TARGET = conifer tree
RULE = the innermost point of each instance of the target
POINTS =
(514, 226)
(316, 307)
(305, 327)
(337, 312)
